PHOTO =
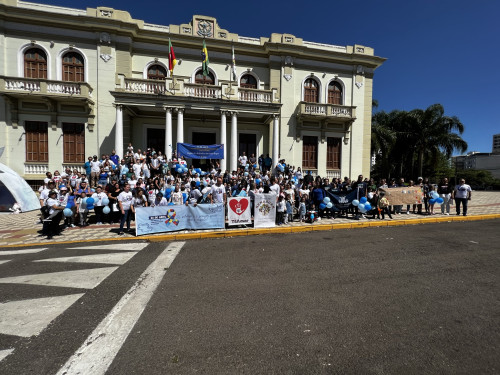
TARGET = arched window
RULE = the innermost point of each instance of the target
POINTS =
(248, 81)
(157, 72)
(205, 80)
(35, 63)
(73, 67)
(334, 93)
(311, 92)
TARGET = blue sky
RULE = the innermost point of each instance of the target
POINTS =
(439, 51)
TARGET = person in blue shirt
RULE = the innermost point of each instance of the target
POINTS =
(318, 194)
(114, 158)
(88, 167)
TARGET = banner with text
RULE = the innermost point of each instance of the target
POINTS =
(190, 151)
(341, 200)
(238, 211)
(404, 195)
(161, 219)
(265, 210)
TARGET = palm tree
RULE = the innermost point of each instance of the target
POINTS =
(433, 132)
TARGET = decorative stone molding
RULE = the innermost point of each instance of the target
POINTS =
(289, 60)
(205, 28)
(105, 38)
(106, 13)
(288, 77)
(359, 84)
(105, 57)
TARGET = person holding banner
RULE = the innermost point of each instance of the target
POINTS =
(218, 192)
(194, 195)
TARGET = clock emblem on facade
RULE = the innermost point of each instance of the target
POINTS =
(205, 29)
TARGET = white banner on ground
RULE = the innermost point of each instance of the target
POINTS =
(265, 210)
(238, 211)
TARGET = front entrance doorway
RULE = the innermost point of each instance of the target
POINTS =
(247, 144)
(200, 138)
(155, 138)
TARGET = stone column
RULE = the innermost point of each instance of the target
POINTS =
(119, 131)
(180, 125)
(223, 140)
(276, 143)
(234, 142)
(168, 133)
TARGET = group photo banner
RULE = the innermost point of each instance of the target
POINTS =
(404, 195)
(161, 219)
(190, 151)
(239, 211)
(264, 211)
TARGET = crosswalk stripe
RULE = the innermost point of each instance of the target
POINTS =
(136, 246)
(29, 317)
(5, 353)
(4, 261)
(100, 348)
(86, 279)
(20, 252)
(113, 258)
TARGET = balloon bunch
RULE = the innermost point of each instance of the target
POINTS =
(435, 198)
(325, 204)
(181, 168)
(363, 205)
(199, 171)
(106, 210)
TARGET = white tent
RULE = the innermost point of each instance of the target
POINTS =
(13, 188)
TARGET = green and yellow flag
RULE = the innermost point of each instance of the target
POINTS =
(204, 56)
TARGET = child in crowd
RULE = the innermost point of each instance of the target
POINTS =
(289, 209)
(312, 214)
(383, 206)
(281, 209)
(429, 197)
(82, 210)
(302, 209)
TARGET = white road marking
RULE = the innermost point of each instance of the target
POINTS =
(29, 317)
(136, 246)
(19, 252)
(100, 348)
(5, 353)
(112, 258)
(4, 261)
(87, 279)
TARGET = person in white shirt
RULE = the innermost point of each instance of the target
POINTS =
(159, 200)
(275, 188)
(243, 160)
(98, 196)
(51, 223)
(95, 168)
(462, 194)
(125, 205)
(140, 199)
(218, 192)
(176, 196)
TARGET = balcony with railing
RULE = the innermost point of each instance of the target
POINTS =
(44, 87)
(319, 111)
(172, 87)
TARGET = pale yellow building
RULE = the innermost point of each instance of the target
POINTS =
(75, 83)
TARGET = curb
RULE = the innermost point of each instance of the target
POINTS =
(274, 230)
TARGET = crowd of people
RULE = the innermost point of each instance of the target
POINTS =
(118, 186)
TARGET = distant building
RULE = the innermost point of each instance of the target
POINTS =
(478, 161)
(496, 144)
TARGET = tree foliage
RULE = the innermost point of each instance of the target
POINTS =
(415, 143)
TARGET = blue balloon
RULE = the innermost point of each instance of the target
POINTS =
(106, 210)
(355, 202)
(363, 200)
(177, 166)
(368, 206)
(197, 183)
(67, 212)
(281, 168)
(168, 190)
(255, 165)
(363, 210)
(184, 197)
(205, 183)
(90, 201)
(257, 181)
(90, 207)
(440, 200)
(326, 200)
(246, 174)
(432, 201)
(312, 216)
(322, 206)
(180, 170)
(242, 193)
(105, 201)
(435, 195)
(329, 205)
(361, 207)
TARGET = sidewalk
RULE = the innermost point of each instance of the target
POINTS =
(22, 229)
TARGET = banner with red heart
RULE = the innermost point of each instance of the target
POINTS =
(239, 211)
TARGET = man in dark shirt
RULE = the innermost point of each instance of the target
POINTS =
(444, 190)
(361, 188)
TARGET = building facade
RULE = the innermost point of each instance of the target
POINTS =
(496, 144)
(75, 83)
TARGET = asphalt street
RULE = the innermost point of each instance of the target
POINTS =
(412, 299)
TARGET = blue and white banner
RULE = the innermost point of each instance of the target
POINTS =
(190, 151)
(161, 219)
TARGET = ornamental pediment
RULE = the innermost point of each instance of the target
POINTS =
(205, 27)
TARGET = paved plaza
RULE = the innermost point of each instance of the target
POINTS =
(23, 229)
